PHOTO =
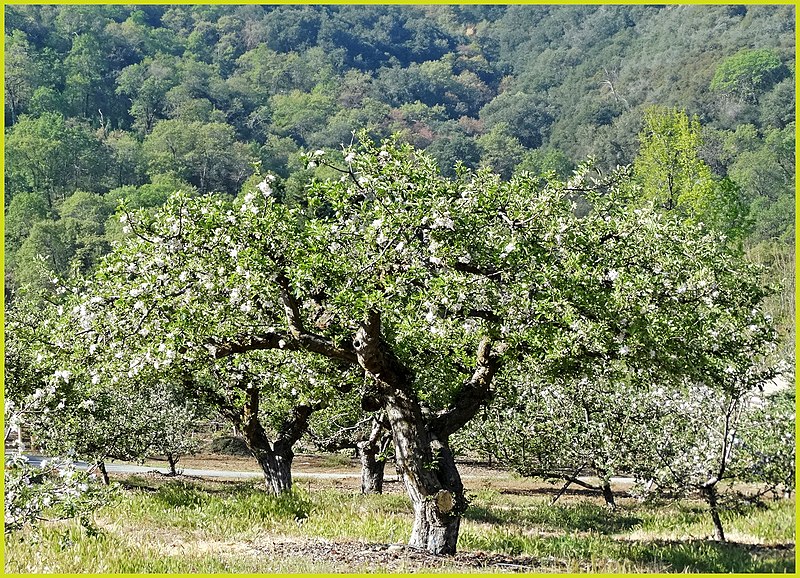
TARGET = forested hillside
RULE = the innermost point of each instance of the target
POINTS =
(112, 102)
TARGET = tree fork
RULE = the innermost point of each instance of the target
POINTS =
(424, 460)
(274, 458)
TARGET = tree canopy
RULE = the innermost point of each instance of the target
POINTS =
(426, 285)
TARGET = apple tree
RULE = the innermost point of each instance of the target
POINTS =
(425, 288)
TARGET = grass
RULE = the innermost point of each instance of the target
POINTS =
(204, 527)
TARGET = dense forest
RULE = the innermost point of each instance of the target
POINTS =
(111, 102)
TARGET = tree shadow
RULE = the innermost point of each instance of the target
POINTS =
(579, 517)
(552, 491)
(709, 556)
(485, 515)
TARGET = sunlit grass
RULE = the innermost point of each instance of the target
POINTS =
(190, 527)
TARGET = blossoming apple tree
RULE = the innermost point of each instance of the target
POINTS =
(419, 290)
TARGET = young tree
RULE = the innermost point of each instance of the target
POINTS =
(675, 177)
(53, 488)
(146, 84)
(707, 437)
(767, 443)
(87, 415)
(748, 73)
(426, 285)
(566, 429)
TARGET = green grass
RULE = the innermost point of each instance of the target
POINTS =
(180, 527)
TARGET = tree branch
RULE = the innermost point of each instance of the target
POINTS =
(294, 426)
(304, 341)
(489, 272)
(472, 394)
(290, 306)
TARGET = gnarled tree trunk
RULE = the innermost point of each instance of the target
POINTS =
(437, 514)
(275, 458)
(605, 488)
(421, 445)
(275, 462)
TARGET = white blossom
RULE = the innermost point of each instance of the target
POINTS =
(443, 223)
(64, 374)
(264, 187)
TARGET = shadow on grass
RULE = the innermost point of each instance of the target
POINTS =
(152, 484)
(709, 556)
(569, 517)
(485, 515)
(552, 491)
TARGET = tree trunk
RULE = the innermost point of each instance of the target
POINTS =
(172, 460)
(372, 466)
(421, 445)
(425, 464)
(277, 468)
(608, 494)
(437, 515)
(710, 495)
(430, 477)
(275, 460)
(101, 467)
(371, 452)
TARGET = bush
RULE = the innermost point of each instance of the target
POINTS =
(229, 446)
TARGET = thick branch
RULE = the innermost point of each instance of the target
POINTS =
(293, 317)
(490, 272)
(296, 424)
(486, 315)
(472, 395)
(279, 340)
(377, 358)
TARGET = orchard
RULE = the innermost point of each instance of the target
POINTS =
(428, 297)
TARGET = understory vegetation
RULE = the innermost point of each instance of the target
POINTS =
(193, 526)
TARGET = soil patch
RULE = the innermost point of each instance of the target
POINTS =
(370, 557)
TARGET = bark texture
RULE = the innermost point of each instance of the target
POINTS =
(371, 452)
(423, 455)
(274, 457)
(371, 468)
